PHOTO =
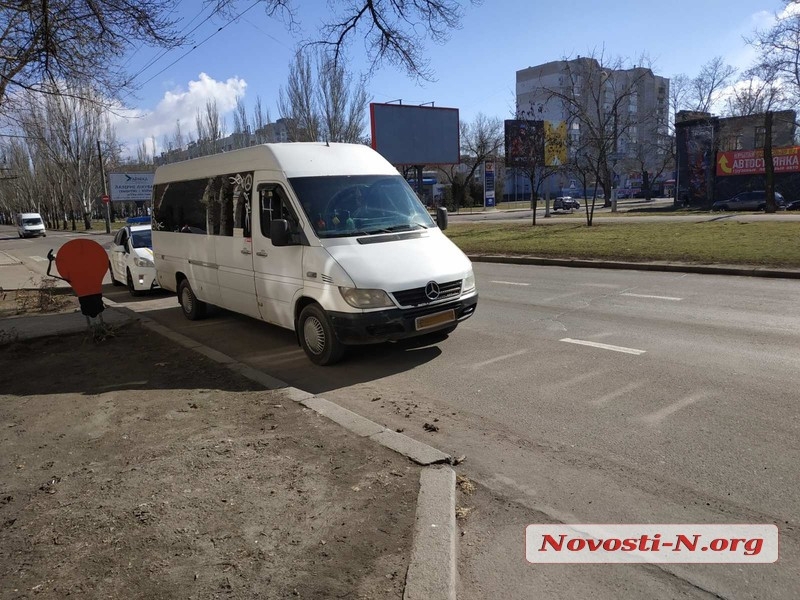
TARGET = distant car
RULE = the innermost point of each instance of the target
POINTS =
(793, 205)
(130, 259)
(755, 200)
(565, 203)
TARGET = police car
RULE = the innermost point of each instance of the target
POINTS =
(130, 257)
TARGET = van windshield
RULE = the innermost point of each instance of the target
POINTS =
(349, 205)
(32, 221)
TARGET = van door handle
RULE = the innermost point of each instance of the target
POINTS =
(261, 253)
(245, 251)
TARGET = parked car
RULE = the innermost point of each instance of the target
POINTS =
(755, 200)
(130, 258)
(30, 224)
(793, 205)
(565, 203)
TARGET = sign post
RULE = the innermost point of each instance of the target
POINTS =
(488, 184)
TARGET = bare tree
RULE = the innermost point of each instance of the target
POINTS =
(296, 102)
(323, 105)
(710, 84)
(76, 41)
(481, 140)
(210, 127)
(392, 31)
(779, 48)
(343, 103)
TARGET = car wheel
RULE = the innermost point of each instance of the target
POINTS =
(193, 309)
(317, 336)
(111, 272)
(133, 291)
(762, 207)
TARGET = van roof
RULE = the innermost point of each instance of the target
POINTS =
(30, 215)
(294, 159)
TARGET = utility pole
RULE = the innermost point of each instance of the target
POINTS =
(105, 187)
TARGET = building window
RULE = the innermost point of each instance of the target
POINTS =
(760, 137)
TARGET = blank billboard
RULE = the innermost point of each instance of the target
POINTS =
(415, 135)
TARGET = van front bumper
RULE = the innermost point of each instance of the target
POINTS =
(395, 323)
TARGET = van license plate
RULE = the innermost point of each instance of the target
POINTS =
(435, 319)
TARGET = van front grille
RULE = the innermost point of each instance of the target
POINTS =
(417, 296)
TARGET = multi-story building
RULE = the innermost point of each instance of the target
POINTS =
(630, 107)
(270, 133)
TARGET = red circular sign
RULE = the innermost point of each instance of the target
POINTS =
(105, 199)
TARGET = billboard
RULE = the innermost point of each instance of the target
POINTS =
(555, 143)
(524, 143)
(415, 135)
(751, 162)
(130, 187)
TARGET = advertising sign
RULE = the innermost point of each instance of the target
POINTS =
(751, 162)
(524, 143)
(130, 187)
(488, 184)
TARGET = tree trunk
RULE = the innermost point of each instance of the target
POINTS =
(646, 185)
(87, 220)
(769, 167)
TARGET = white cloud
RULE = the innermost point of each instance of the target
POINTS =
(137, 125)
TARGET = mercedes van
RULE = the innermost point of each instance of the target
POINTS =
(30, 224)
(327, 240)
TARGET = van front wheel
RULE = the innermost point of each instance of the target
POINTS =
(317, 337)
(193, 308)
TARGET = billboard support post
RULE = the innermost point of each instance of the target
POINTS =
(105, 188)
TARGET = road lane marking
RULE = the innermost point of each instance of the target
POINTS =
(603, 346)
(497, 359)
(509, 282)
(656, 417)
(606, 398)
(673, 298)
(39, 258)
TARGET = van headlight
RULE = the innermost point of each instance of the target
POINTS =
(140, 261)
(364, 298)
(469, 282)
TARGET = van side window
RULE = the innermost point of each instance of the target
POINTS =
(213, 205)
(273, 204)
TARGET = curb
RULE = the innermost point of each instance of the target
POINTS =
(670, 267)
(432, 570)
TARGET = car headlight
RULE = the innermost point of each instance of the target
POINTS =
(364, 298)
(140, 261)
(469, 282)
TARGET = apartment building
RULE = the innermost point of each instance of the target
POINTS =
(632, 105)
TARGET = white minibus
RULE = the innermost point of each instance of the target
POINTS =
(327, 240)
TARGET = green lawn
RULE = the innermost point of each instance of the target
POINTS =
(762, 244)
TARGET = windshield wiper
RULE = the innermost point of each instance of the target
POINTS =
(406, 227)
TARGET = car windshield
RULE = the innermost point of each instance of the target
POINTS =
(33, 221)
(343, 206)
(142, 239)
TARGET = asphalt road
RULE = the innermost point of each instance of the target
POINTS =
(581, 396)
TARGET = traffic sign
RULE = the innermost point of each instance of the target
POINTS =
(105, 199)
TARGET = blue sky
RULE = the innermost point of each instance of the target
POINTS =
(474, 70)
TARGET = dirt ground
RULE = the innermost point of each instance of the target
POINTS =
(133, 468)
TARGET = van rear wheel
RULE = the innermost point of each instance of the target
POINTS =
(193, 309)
(317, 336)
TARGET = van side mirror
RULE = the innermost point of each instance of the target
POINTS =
(279, 232)
(441, 217)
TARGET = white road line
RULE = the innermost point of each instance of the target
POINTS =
(654, 297)
(509, 282)
(603, 346)
(38, 258)
(497, 359)
(606, 398)
(656, 417)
